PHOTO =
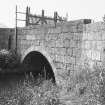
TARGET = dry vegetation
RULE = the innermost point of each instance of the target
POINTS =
(81, 88)
(9, 59)
(31, 92)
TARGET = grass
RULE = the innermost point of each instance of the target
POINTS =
(31, 92)
(83, 87)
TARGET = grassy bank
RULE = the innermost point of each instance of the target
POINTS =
(81, 88)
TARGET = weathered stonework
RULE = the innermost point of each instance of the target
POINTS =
(5, 33)
(62, 45)
(93, 43)
(65, 46)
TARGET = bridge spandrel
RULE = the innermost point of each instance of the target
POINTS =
(61, 46)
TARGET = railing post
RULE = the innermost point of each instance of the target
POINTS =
(42, 20)
(27, 20)
(16, 30)
(9, 42)
(55, 18)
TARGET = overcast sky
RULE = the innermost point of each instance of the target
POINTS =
(76, 9)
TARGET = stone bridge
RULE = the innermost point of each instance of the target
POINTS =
(62, 49)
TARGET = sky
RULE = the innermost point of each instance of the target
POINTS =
(76, 9)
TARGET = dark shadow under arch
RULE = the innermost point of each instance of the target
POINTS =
(38, 64)
(35, 63)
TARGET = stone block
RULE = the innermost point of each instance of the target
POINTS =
(78, 43)
(90, 36)
(30, 42)
(69, 35)
(52, 36)
(27, 32)
(88, 53)
(96, 55)
(51, 50)
(66, 43)
(88, 27)
(98, 26)
(100, 45)
(60, 51)
(103, 35)
(69, 51)
(85, 36)
(20, 37)
(35, 42)
(65, 29)
(77, 36)
(33, 37)
(88, 44)
(99, 36)
(63, 74)
(69, 59)
(69, 28)
(57, 30)
(64, 36)
(74, 29)
(93, 45)
(59, 43)
(50, 43)
(60, 65)
(47, 37)
(72, 43)
(78, 60)
(69, 67)
(51, 30)
(60, 58)
(21, 32)
(23, 47)
(76, 52)
(53, 57)
(35, 31)
(79, 27)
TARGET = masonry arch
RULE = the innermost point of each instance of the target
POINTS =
(36, 60)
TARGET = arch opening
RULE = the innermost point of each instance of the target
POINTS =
(38, 65)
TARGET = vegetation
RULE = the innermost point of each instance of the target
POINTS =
(8, 59)
(82, 87)
(31, 92)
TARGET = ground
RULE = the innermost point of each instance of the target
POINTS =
(82, 88)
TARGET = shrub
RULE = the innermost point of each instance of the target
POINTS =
(98, 84)
(85, 87)
(27, 93)
(8, 59)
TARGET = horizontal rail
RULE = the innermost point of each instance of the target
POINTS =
(36, 16)
(21, 12)
(20, 20)
(45, 17)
